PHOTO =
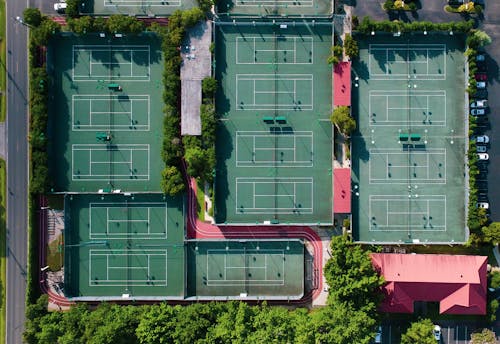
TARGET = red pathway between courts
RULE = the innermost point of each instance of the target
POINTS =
(342, 190)
(342, 84)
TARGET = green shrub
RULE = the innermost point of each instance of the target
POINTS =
(342, 119)
(32, 16)
(350, 46)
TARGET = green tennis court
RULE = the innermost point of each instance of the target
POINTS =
(106, 112)
(285, 8)
(135, 7)
(116, 244)
(274, 141)
(408, 151)
(253, 269)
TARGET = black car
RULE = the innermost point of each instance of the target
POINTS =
(481, 94)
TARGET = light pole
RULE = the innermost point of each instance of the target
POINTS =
(21, 21)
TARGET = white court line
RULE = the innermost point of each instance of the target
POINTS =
(308, 78)
(116, 148)
(246, 252)
(272, 182)
(274, 3)
(114, 49)
(400, 199)
(142, 3)
(253, 162)
(129, 205)
(125, 282)
(270, 41)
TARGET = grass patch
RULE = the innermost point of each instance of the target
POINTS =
(3, 258)
(3, 64)
(55, 253)
(200, 200)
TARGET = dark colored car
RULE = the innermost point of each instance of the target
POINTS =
(481, 77)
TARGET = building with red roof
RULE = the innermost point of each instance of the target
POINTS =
(457, 282)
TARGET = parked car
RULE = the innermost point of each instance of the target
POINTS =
(483, 156)
(481, 149)
(437, 332)
(480, 57)
(481, 77)
(484, 205)
(480, 84)
(483, 139)
(60, 7)
(479, 103)
(478, 112)
(481, 67)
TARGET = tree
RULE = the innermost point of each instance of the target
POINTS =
(233, 325)
(419, 332)
(340, 323)
(118, 23)
(172, 182)
(209, 86)
(491, 233)
(336, 55)
(342, 119)
(350, 46)
(81, 25)
(200, 162)
(351, 276)
(47, 28)
(495, 279)
(72, 8)
(272, 325)
(486, 336)
(32, 16)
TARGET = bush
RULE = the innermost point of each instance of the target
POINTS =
(351, 46)
(208, 87)
(336, 55)
(72, 8)
(172, 182)
(495, 279)
(118, 23)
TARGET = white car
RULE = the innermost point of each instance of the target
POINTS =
(437, 332)
(481, 84)
(60, 7)
(480, 103)
(483, 156)
(478, 112)
(483, 139)
(481, 149)
(484, 205)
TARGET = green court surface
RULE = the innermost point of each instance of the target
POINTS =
(274, 140)
(105, 123)
(282, 8)
(268, 269)
(409, 149)
(148, 8)
(116, 244)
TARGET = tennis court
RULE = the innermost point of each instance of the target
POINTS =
(116, 244)
(285, 8)
(149, 8)
(106, 113)
(255, 269)
(409, 149)
(274, 145)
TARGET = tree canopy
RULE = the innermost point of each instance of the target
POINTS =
(350, 46)
(351, 276)
(342, 119)
(419, 332)
(486, 336)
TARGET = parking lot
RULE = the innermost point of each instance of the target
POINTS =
(450, 333)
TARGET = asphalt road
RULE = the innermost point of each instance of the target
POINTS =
(17, 170)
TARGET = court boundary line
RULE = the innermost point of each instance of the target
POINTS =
(107, 205)
(386, 76)
(239, 38)
(245, 252)
(127, 252)
(274, 77)
(247, 163)
(427, 152)
(112, 48)
(392, 93)
(103, 147)
(271, 211)
(150, 3)
(440, 197)
(91, 97)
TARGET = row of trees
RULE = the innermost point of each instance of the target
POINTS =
(368, 25)
(349, 48)
(172, 180)
(350, 316)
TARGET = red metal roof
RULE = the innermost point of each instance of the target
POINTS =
(457, 282)
(342, 190)
(342, 84)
